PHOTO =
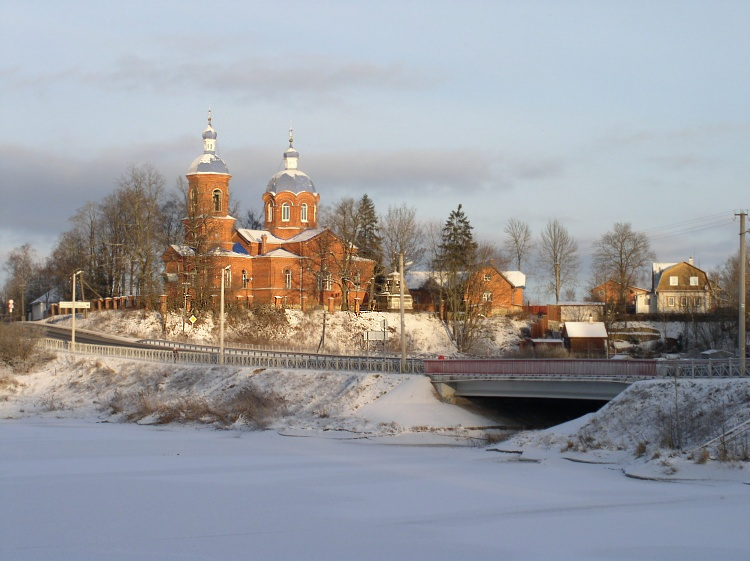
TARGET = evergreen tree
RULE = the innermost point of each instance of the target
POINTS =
(457, 251)
(456, 266)
(368, 239)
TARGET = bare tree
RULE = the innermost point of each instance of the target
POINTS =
(25, 280)
(402, 233)
(142, 188)
(338, 263)
(622, 255)
(558, 258)
(251, 219)
(519, 244)
(173, 212)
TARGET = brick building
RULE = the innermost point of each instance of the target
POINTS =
(291, 262)
(494, 292)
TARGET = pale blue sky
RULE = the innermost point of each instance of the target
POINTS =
(588, 112)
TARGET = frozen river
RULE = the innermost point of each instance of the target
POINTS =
(78, 490)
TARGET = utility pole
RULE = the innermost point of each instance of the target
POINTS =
(401, 309)
(73, 324)
(221, 322)
(743, 259)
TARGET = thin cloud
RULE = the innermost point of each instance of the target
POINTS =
(257, 76)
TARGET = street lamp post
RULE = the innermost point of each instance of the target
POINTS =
(185, 286)
(23, 302)
(221, 321)
(73, 324)
(742, 317)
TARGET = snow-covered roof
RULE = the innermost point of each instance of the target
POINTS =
(184, 250)
(208, 163)
(659, 267)
(254, 236)
(516, 278)
(281, 253)
(585, 329)
(292, 180)
(50, 296)
(220, 251)
(417, 279)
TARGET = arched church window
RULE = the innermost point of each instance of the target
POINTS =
(287, 279)
(357, 280)
(217, 200)
(303, 212)
(329, 281)
(194, 199)
(286, 212)
(269, 212)
(244, 278)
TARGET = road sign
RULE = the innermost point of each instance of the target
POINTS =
(192, 319)
(79, 305)
(375, 336)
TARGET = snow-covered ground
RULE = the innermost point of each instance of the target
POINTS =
(425, 334)
(354, 466)
(82, 490)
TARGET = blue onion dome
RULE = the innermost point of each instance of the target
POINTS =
(290, 178)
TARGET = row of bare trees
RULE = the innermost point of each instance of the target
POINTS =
(116, 242)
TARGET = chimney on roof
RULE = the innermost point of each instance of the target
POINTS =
(690, 260)
(591, 319)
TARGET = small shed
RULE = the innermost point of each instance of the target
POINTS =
(585, 337)
(40, 308)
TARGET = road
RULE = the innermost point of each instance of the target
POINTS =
(63, 334)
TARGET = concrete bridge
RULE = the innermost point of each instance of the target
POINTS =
(563, 378)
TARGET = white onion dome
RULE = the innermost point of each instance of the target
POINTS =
(208, 162)
(290, 178)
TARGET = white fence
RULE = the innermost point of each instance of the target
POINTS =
(199, 354)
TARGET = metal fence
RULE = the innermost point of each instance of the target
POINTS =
(447, 370)
(200, 354)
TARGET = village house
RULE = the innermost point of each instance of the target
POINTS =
(291, 262)
(494, 292)
(610, 292)
(677, 288)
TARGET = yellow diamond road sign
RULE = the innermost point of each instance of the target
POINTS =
(192, 319)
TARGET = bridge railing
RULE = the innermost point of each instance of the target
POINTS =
(446, 370)
(244, 358)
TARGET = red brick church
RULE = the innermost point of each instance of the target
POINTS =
(291, 262)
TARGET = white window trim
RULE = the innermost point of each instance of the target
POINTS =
(286, 212)
(673, 281)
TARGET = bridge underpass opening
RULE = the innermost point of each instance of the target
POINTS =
(523, 413)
